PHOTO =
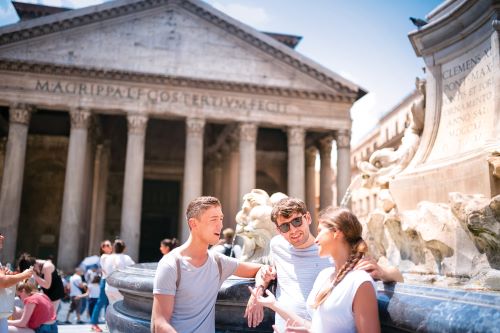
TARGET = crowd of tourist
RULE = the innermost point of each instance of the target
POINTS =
(40, 288)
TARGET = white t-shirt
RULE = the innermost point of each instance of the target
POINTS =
(296, 270)
(194, 305)
(74, 285)
(94, 290)
(335, 314)
(114, 262)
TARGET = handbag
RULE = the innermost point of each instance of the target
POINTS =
(7, 296)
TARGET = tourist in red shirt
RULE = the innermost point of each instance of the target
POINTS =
(38, 315)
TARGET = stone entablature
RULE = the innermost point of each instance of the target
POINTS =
(177, 100)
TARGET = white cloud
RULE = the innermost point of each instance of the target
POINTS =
(253, 16)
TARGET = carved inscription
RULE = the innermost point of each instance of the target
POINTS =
(467, 103)
(159, 96)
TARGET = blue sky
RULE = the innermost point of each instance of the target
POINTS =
(363, 40)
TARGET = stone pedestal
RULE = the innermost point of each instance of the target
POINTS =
(461, 50)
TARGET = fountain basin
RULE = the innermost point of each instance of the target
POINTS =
(402, 307)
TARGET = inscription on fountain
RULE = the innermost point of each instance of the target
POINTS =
(467, 103)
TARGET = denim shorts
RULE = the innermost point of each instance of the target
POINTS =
(47, 328)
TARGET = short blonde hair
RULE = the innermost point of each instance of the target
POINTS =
(200, 205)
(26, 286)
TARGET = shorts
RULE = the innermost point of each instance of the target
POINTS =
(47, 328)
(76, 304)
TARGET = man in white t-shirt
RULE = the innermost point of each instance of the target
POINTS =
(188, 278)
(8, 279)
(295, 257)
(75, 290)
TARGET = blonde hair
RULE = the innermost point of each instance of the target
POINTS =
(345, 221)
(28, 287)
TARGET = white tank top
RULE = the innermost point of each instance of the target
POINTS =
(335, 314)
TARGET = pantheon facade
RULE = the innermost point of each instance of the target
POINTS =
(114, 117)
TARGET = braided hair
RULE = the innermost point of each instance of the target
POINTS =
(345, 221)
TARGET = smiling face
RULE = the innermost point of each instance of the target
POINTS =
(208, 225)
(325, 240)
(297, 236)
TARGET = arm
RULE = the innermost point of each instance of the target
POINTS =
(254, 311)
(289, 316)
(163, 306)
(247, 269)
(365, 309)
(377, 272)
(10, 280)
(25, 317)
(47, 270)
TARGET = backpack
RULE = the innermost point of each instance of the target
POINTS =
(228, 251)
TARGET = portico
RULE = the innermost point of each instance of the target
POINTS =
(140, 136)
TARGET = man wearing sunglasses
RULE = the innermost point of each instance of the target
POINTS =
(8, 279)
(297, 264)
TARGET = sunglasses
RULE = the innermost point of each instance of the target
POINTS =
(296, 222)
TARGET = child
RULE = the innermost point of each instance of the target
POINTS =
(93, 292)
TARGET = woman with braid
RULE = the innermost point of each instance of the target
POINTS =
(342, 299)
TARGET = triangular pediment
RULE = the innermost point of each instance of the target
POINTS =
(172, 38)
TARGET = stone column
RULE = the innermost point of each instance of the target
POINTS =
(325, 174)
(12, 181)
(230, 182)
(248, 141)
(343, 139)
(69, 236)
(99, 189)
(193, 168)
(311, 185)
(296, 162)
(132, 184)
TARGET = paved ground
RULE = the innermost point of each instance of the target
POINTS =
(74, 328)
(84, 328)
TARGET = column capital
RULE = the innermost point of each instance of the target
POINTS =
(20, 113)
(311, 156)
(248, 132)
(325, 145)
(80, 118)
(195, 127)
(137, 124)
(296, 136)
(343, 138)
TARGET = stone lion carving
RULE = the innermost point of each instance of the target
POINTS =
(254, 225)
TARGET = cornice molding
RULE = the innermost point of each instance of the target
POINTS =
(127, 76)
(79, 18)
